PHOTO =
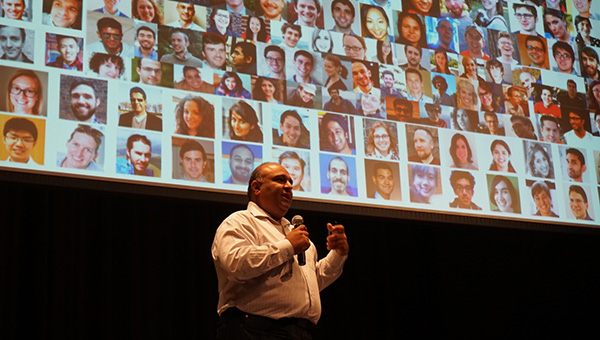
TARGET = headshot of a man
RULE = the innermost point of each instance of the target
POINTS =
(110, 33)
(82, 149)
(12, 42)
(13, 9)
(20, 137)
(137, 157)
(383, 181)
(192, 158)
(335, 130)
(578, 202)
(149, 71)
(339, 176)
(85, 100)
(138, 117)
(241, 164)
(463, 184)
(343, 14)
(213, 51)
(295, 166)
(293, 131)
(575, 164)
(424, 146)
(69, 49)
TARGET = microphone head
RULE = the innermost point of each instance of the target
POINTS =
(297, 220)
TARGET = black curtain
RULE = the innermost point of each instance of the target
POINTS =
(95, 264)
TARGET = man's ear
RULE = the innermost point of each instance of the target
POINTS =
(255, 185)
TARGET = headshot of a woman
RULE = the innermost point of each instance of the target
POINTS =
(423, 182)
(441, 62)
(411, 30)
(463, 120)
(231, 86)
(24, 93)
(268, 90)
(501, 156)
(461, 153)
(146, 10)
(256, 30)
(385, 53)
(504, 196)
(243, 123)
(195, 116)
(422, 7)
(381, 142)
(375, 23)
(542, 198)
(539, 163)
(466, 97)
(321, 41)
(335, 71)
(593, 95)
(220, 21)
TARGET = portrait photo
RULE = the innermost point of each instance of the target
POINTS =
(193, 159)
(80, 146)
(297, 163)
(26, 91)
(83, 99)
(23, 139)
(139, 153)
(383, 180)
(338, 175)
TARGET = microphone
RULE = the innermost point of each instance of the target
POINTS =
(297, 221)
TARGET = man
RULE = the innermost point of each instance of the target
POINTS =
(307, 12)
(337, 103)
(383, 180)
(213, 51)
(515, 105)
(294, 165)
(110, 32)
(235, 6)
(82, 149)
(12, 41)
(575, 164)
(536, 51)
(414, 85)
(571, 97)
(463, 183)
(564, 55)
(69, 54)
(13, 9)
(291, 35)
(403, 111)
(243, 57)
(146, 38)
(506, 49)
(527, 17)
(475, 40)
(263, 290)
(440, 97)
(192, 158)
(272, 9)
(556, 26)
(20, 137)
(85, 101)
(354, 47)
(527, 80)
(523, 127)
(433, 116)
(589, 63)
(338, 175)
(302, 96)
(304, 64)
(578, 135)
(361, 78)
(335, 129)
(192, 81)
(64, 13)
(241, 163)
(275, 58)
(546, 106)
(293, 131)
(111, 7)
(424, 144)
(550, 130)
(343, 14)
(413, 58)
(370, 105)
(186, 17)
(149, 71)
(578, 202)
(445, 35)
(137, 158)
(388, 85)
(457, 10)
(540, 192)
(180, 43)
(492, 125)
(138, 117)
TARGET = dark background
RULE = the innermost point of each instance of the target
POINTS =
(127, 261)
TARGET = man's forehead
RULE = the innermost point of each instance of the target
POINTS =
(338, 164)
(242, 152)
(8, 30)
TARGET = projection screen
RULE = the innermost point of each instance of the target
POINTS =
(478, 108)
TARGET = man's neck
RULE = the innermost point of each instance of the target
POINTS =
(140, 114)
(477, 54)
(300, 79)
(366, 89)
(235, 8)
(185, 24)
(580, 132)
(428, 159)
(417, 96)
(343, 30)
(145, 52)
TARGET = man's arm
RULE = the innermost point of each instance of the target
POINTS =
(330, 267)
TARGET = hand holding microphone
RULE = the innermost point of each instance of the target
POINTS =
(298, 237)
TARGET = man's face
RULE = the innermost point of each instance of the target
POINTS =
(139, 156)
(384, 182)
(578, 205)
(370, 102)
(65, 12)
(291, 37)
(486, 98)
(582, 5)
(186, 12)
(146, 39)
(338, 138)
(138, 103)
(388, 80)
(543, 203)
(536, 52)
(291, 130)
(403, 112)
(335, 94)
(557, 26)
(546, 98)
(413, 56)
(590, 65)
(423, 144)
(84, 102)
(275, 190)
(150, 71)
(576, 122)
(81, 150)
(564, 60)
(304, 66)
(523, 128)
(550, 132)
(455, 7)
(275, 61)
(526, 80)
(215, 55)
(19, 145)
(111, 38)
(241, 164)
(305, 95)
(445, 32)
(193, 79)
(307, 11)
(515, 97)
(424, 183)
(13, 9)
(237, 56)
(343, 15)
(271, 8)
(584, 28)
(295, 169)
(492, 124)
(111, 5)
(474, 41)
(415, 84)
(574, 167)
(463, 189)
(338, 176)
(69, 50)
(179, 43)
(572, 89)
(527, 20)
(506, 46)
(11, 42)
(353, 48)
(193, 163)
(361, 75)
